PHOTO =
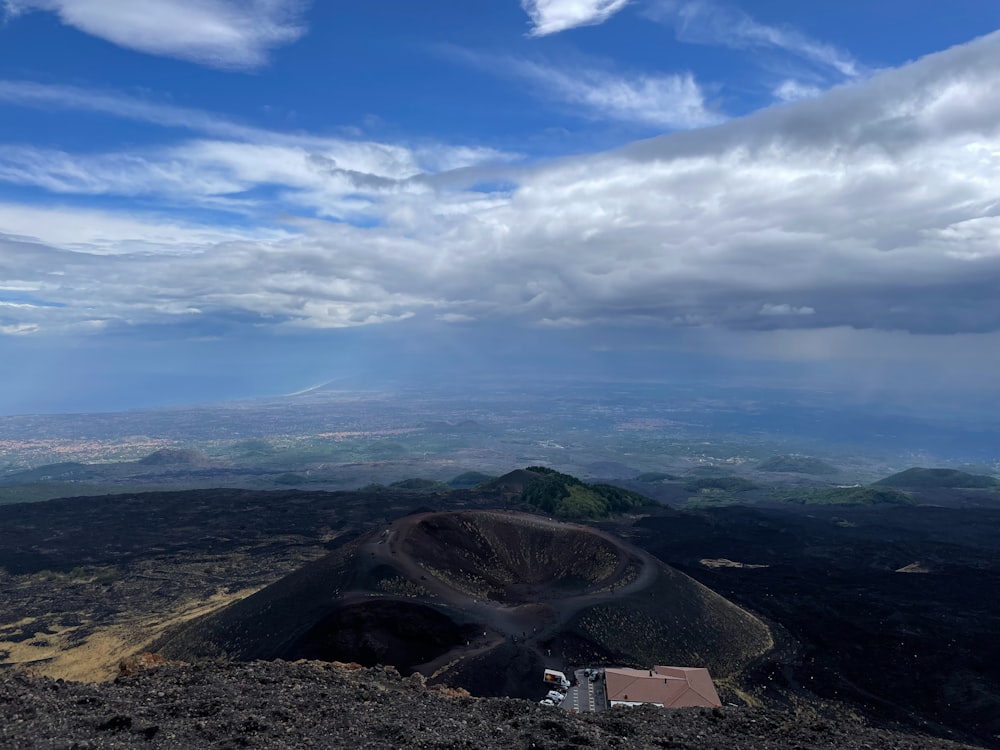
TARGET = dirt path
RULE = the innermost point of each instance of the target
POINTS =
(389, 547)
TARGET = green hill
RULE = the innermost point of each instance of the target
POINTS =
(516, 481)
(920, 478)
(567, 497)
(796, 465)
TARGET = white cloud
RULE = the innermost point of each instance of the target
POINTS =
(870, 207)
(772, 309)
(592, 89)
(663, 101)
(26, 93)
(18, 329)
(217, 33)
(114, 174)
(552, 16)
(30, 93)
(385, 159)
(96, 232)
(708, 22)
(157, 274)
(791, 90)
(345, 180)
(455, 318)
(325, 175)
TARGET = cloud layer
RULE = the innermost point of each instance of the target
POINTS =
(872, 206)
(217, 33)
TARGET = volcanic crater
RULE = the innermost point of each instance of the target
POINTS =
(482, 600)
(516, 559)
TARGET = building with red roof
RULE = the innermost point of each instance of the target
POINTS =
(667, 687)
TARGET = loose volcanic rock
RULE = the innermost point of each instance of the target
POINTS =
(313, 704)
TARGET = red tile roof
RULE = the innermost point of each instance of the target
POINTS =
(670, 687)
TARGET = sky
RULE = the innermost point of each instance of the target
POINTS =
(211, 199)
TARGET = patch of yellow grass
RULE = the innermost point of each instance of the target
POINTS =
(96, 658)
(441, 670)
(19, 624)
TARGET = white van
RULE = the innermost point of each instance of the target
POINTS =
(554, 677)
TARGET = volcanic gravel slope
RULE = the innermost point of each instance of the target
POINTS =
(515, 559)
(482, 600)
(284, 705)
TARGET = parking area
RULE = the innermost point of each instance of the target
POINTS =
(586, 694)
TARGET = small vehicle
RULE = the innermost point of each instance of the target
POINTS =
(555, 696)
(547, 702)
(554, 677)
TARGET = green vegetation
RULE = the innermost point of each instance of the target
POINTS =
(470, 479)
(711, 497)
(711, 491)
(920, 478)
(725, 484)
(709, 470)
(566, 496)
(797, 465)
(844, 496)
(656, 476)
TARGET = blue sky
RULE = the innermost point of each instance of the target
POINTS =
(208, 198)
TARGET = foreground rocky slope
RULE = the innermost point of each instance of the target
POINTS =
(314, 704)
(86, 582)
